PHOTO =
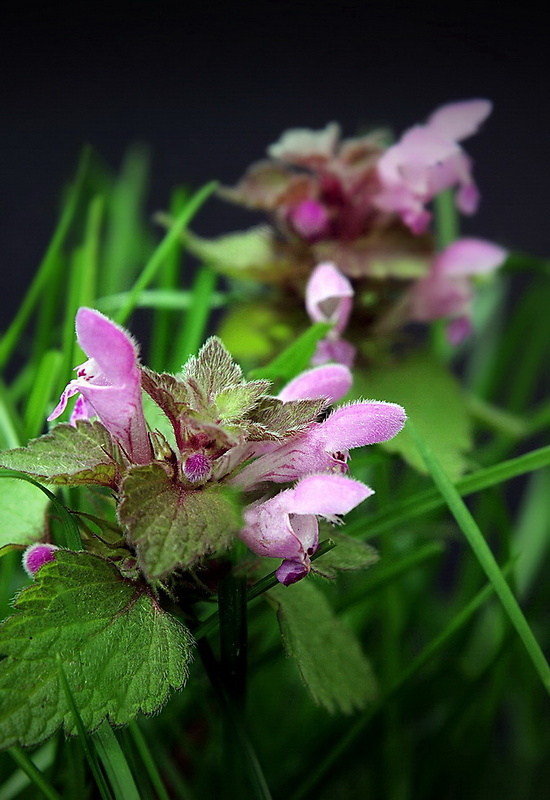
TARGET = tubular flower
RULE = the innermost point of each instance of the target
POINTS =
(109, 384)
(329, 298)
(448, 291)
(428, 160)
(286, 526)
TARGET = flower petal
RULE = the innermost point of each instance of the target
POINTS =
(360, 424)
(329, 296)
(459, 120)
(469, 257)
(109, 345)
(332, 381)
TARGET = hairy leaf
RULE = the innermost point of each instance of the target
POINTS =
(173, 526)
(120, 652)
(69, 455)
(329, 657)
(349, 554)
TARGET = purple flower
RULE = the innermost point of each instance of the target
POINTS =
(329, 299)
(324, 446)
(447, 290)
(36, 556)
(286, 526)
(428, 160)
(109, 384)
(332, 381)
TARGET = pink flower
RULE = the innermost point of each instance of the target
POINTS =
(286, 526)
(109, 384)
(332, 381)
(427, 160)
(36, 556)
(447, 291)
(329, 299)
(323, 447)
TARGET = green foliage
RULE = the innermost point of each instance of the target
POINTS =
(296, 357)
(171, 525)
(22, 512)
(348, 555)
(69, 456)
(432, 399)
(243, 254)
(332, 665)
(121, 653)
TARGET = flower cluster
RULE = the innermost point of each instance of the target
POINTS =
(286, 455)
(361, 206)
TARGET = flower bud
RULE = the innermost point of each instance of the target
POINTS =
(36, 556)
(197, 468)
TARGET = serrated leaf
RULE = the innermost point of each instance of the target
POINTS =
(121, 653)
(332, 665)
(433, 400)
(172, 526)
(296, 357)
(213, 369)
(273, 419)
(69, 456)
(349, 554)
(22, 512)
(236, 253)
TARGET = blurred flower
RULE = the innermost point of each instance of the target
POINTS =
(448, 290)
(329, 299)
(427, 160)
(109, 384)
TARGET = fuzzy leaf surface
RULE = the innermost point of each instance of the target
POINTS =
(348, 555)
(172, 525)
(120, 652)
(69, 456)
(330, 660)
(432, 399)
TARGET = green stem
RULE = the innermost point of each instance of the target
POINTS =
(24, 762)
(485, 557)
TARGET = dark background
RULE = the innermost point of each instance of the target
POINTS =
(209, 88)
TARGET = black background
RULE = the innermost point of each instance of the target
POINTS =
(209, 88)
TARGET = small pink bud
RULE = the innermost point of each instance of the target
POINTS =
(36, 556)
(310, 219)
(197, 468)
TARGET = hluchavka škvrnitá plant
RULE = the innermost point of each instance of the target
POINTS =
(190, 465)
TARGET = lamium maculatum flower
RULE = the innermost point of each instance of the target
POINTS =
(427, 160)
(448, 289)
(109, 384)
(36, 556)
(329, 298)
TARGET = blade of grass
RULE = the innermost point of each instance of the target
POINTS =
(19, 781)
(40, 281)
(114, 761)
(148, 761)
(72, 534)
(24, 762)
(85, 741)
(39, 398)
(193, 329)
(485, 557)
(162, 299)
(164, 248)
(9, 435)
(352, 734)
(403, 511)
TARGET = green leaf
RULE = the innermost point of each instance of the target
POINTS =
(329, 657)
(22, 512)
(245, 252)
(173, 526)
(349, 554)
(432, 399)
(296, 358)
(69, 455)
(121, 653)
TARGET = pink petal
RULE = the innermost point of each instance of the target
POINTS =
(458, 329)
(110, 346)
(36, 556)
(338, 350)
(360, 424)
(332, 381)
(329, 296)
(469, 257)
(310, 219)
(327, 495)
(457, 121)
